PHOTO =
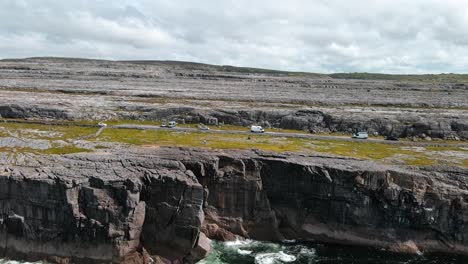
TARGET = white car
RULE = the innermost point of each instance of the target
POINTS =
(102, 124)
(257, 129)
(203, 127)
(360, 135)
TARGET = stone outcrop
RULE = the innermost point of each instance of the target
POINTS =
(314, 121)
(123, 206)
(100, 209)
(28, 111)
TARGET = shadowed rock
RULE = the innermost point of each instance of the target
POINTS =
(116, 206)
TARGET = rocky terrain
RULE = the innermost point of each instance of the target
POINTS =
(71, 192)
(97, 90)
(122, 206)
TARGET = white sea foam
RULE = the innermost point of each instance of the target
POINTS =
(244, 252)
(4, 261)
(272, 258)
(238, 242)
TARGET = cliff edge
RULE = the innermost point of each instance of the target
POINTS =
(125, 206)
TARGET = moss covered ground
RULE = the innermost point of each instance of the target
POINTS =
(380, 152)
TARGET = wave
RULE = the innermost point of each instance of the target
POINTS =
(238, 242)
(5, 261)
(273, 258)
(244, 252)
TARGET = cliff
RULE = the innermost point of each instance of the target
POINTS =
(100, 208)
(334, 200)
(122, 206)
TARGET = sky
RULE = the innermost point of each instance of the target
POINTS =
(384, 36)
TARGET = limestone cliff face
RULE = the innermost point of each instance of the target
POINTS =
(339, 201)
(100, 208)
(123, 207)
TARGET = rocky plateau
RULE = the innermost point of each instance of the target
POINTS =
(149, 203)
(75, 89)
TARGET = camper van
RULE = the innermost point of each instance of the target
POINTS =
(171, 124)
(360, 135)
(256, 129)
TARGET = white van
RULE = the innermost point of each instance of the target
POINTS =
(256, 129)
(360, 135)
(172, 124)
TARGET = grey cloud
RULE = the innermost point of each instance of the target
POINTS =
(396, 36)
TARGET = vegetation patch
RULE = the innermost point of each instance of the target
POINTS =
(42, 131)
(64, 150)
(380, 152)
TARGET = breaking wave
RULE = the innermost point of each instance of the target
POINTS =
(290, 251)
(4, 261)
(273, 258)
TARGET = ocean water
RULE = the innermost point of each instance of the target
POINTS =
(3, 261)
(255, 252)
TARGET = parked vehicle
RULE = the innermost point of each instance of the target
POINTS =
(256, 129)
(172, 124)
(203, 127)
(392, 138)
(360, 135)
(102, 124)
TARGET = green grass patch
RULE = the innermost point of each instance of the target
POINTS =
(101, 147)
(64, 150)
(199, 139)
(421, 161)
(381, 152)
(358, 149)
(41, 131)
(55, 150)
(464, 163)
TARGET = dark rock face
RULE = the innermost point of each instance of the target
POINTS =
(340, 201)
(16, 111)
(94, 209)
(173, 217)
(123, 207)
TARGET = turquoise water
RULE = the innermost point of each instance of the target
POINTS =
(240, 252)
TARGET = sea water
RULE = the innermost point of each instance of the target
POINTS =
(3, 261)
(256, 252)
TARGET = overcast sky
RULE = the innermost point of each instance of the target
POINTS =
(394, 36)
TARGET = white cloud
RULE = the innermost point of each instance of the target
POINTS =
(396, 36)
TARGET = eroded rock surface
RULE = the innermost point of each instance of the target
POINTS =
(122, 206)
(88, 89)
(99, 208)
(334, 200)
